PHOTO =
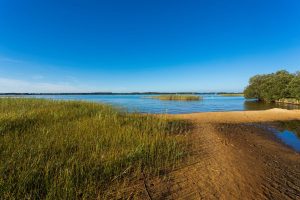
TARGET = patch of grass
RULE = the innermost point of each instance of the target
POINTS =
(178, 97)
(74, 150)
(231, 94)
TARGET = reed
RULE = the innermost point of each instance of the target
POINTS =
(231, 94)
(178, 97)
(77, 150)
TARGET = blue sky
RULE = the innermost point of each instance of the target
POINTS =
(134, 45)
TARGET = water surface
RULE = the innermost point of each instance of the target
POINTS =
(287, 132)
(289, 138)
(144, 104)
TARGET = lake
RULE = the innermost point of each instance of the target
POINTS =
(287, 132)
(144, 104)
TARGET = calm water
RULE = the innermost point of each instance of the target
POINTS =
(144, 104)
(289, 138)
(287, 131)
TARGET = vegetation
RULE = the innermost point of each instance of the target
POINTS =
(231, 94)
(274, 87)
(74, 150)
(178, 97)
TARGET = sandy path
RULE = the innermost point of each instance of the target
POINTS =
(212, 172)
(230, 160)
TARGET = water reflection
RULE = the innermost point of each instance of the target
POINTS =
(289, 138)
(287, 131)
(290, 125)
(256, 105)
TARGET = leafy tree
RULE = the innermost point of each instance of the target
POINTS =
(278, 85)
(294, 86)
(253, 90)
(271, 87)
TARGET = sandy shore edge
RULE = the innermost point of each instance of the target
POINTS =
(275, 114)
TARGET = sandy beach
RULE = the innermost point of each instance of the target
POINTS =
(275, 114)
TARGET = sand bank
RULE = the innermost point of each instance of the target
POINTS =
(275, 114)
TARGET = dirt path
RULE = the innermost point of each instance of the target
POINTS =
(231, 159)
(213, 172)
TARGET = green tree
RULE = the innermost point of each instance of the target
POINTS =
(294, 86)
(253, 90)
(278, 85)
(269, 87)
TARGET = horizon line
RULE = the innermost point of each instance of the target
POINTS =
(109, 93)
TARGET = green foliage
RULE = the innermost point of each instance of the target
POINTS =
(75, 150)
(294, 86)
(272, 87)
(178, 97)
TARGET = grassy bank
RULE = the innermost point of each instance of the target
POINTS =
(178, 97)
(71, 150)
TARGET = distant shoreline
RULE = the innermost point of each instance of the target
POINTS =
(117, 93)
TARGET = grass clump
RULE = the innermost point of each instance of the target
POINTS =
(74, 150)
(178, 97)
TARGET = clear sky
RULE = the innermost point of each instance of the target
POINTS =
(140, 45)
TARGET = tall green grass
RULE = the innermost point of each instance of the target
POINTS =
(178, 97)
(231, 94)
(74, 150)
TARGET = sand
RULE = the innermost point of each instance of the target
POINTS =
(275, 114)
(229, 159)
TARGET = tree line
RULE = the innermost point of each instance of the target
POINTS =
(274, 86)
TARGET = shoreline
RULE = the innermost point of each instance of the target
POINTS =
(229, 159)
(239, 161)
(288, 101)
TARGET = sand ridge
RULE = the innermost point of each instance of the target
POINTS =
(275, 114)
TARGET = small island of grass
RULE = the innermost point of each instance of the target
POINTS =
(231, 94)
(178, 97)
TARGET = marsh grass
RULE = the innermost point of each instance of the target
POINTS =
(73, 150)
(231, 94)
(177, 97)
